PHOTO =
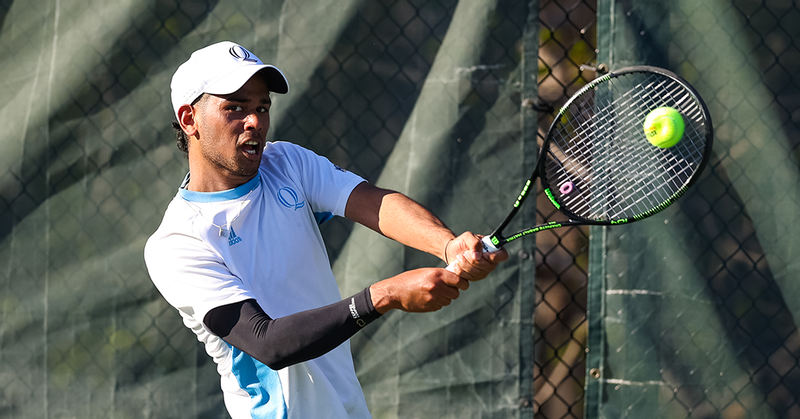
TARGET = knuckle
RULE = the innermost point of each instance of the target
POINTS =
(429, 287)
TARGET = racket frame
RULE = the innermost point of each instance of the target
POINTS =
(496, 239)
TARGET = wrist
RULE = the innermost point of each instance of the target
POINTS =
(446, 245)
(362, 309)
(381, 297)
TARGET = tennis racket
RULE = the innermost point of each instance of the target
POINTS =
(596, 164)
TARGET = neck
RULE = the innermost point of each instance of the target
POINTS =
(203, 184)
(206, 178)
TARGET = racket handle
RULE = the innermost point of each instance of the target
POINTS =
(488, 246)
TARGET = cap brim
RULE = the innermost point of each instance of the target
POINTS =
(276, 81)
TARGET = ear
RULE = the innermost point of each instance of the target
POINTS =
(186, 119)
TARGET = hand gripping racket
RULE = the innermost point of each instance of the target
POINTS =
(596, 164)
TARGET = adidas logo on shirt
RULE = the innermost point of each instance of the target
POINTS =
(233, 238)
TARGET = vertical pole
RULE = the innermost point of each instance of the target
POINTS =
(529, 131)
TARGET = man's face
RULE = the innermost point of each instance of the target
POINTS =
(232, 130)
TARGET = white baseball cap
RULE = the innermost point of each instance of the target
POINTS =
(220, 69)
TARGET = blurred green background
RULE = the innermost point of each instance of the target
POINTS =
(690, 314)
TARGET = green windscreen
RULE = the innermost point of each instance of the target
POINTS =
(693, 313)
(420, 97)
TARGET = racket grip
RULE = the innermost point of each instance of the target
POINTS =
(488, 246)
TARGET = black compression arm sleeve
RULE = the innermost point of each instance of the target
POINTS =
(296, 338)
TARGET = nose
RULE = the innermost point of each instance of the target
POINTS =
(256, 121)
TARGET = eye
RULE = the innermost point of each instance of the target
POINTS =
(234, 108)
(263, 109)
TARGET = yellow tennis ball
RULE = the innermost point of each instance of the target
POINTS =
(664, 127)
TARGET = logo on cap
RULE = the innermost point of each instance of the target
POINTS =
(241, 54)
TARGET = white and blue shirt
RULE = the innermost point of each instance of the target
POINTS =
(272, 251)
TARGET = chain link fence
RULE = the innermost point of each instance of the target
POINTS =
(567, 57)
(88, 166)
(693, 314)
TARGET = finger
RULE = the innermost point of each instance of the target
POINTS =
(496, 257)
(436, 304)
(454, 280)
(466, 242)
(448, 294)
(462, 284)
(489, 260)
(474, 242)
(474, 264)
(475, 269)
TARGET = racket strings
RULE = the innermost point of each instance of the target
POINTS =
(655, 190)
(624, 168)
(600, 163)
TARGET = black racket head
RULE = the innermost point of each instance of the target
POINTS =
(596, 164)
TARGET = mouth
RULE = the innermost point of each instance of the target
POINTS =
(252, 148)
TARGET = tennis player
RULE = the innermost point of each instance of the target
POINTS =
(240, 256)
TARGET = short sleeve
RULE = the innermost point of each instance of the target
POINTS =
(326, 185)
(191, 276)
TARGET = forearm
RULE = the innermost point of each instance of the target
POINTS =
(296, 338)
(399, 218)
(409, 223)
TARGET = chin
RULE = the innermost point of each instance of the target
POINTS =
(249, 171)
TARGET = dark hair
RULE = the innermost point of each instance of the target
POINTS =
(181, 139)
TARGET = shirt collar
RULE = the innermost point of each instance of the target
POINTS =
(218, 196)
